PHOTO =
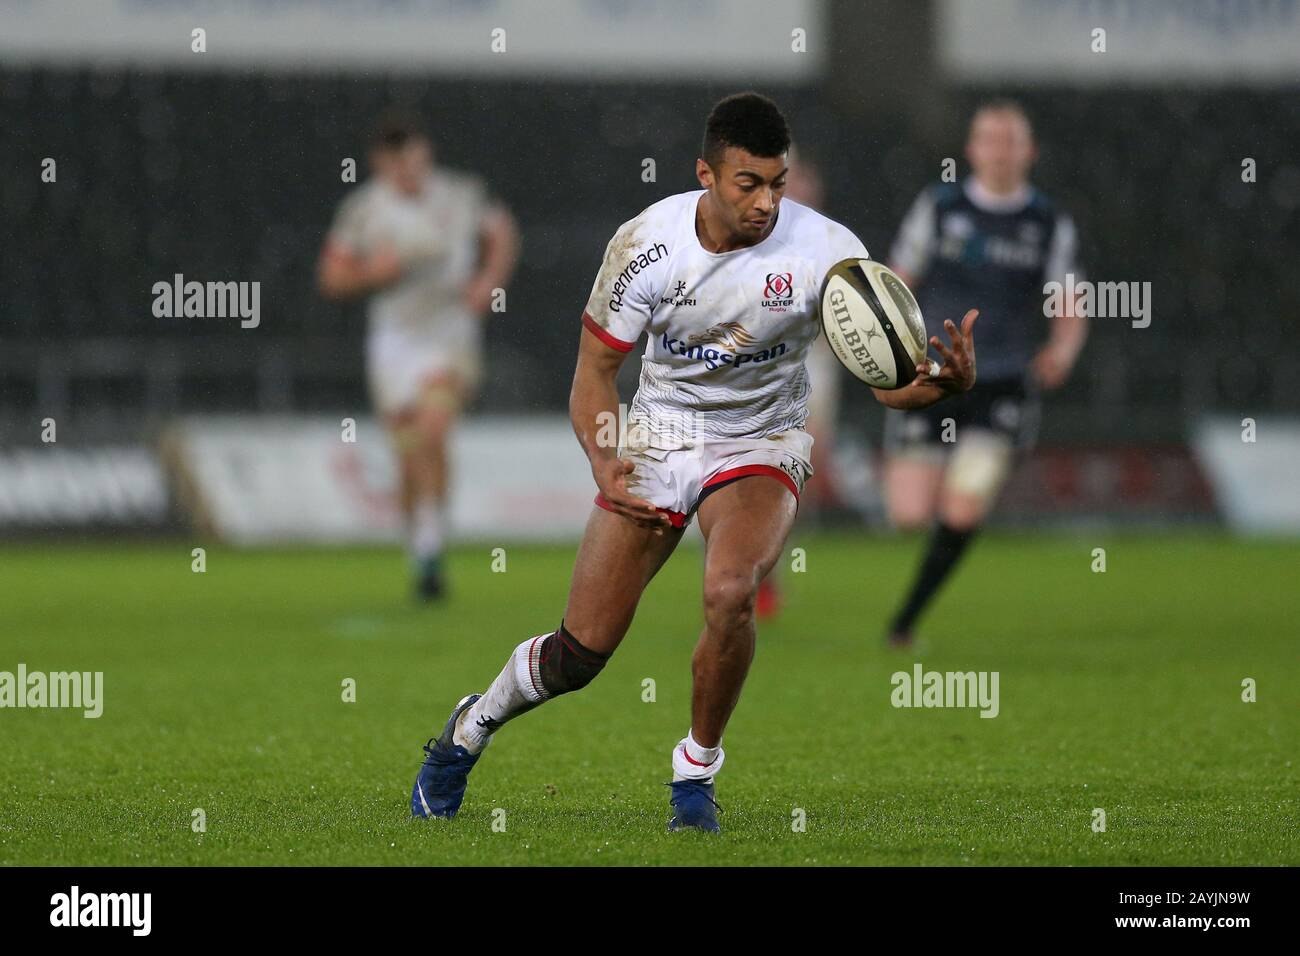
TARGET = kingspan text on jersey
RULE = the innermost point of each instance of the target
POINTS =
(715, 358)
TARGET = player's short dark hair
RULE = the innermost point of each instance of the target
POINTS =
(1003, 104)
(748, 121)
(396, 128)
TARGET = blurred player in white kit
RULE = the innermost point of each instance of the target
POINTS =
(429, 249)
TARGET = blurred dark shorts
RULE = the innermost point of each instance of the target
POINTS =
(1007, 407)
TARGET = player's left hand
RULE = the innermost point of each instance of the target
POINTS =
(957, 374)
(1051, 367)
(477, 295)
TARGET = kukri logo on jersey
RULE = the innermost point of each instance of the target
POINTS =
(679, 297)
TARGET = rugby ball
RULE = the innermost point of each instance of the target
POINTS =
(873, 323)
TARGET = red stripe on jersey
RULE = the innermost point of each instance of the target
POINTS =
(745, 470)
(604, 336)
(675, 518)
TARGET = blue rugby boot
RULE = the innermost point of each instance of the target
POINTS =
(693, 807)
(440, 787)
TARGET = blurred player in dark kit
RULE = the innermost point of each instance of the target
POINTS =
(993, 241)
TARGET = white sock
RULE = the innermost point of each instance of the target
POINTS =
(426, 529)
(694, 762)
(518, 688)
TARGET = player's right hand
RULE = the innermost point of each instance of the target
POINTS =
(611, 478)
(1051, 366)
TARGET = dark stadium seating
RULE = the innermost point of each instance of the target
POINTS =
(234, 177)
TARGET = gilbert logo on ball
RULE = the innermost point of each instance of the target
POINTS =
(873, 323)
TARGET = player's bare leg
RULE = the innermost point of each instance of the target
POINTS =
(963, 512)
(745, 526)
(912, 490)
(819, 492)
(615, 562)
(964, 493)
(426, 433)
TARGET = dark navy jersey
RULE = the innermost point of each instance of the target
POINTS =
(965, 249)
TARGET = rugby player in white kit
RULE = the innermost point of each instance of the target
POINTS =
(429, 249)
(725, 282)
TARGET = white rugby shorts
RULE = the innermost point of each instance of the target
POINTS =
(676, 480)
(398, 366)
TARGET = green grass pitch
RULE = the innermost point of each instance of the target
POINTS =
(223, 691)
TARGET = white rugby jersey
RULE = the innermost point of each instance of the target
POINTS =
(436, 237)
(729, 331)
